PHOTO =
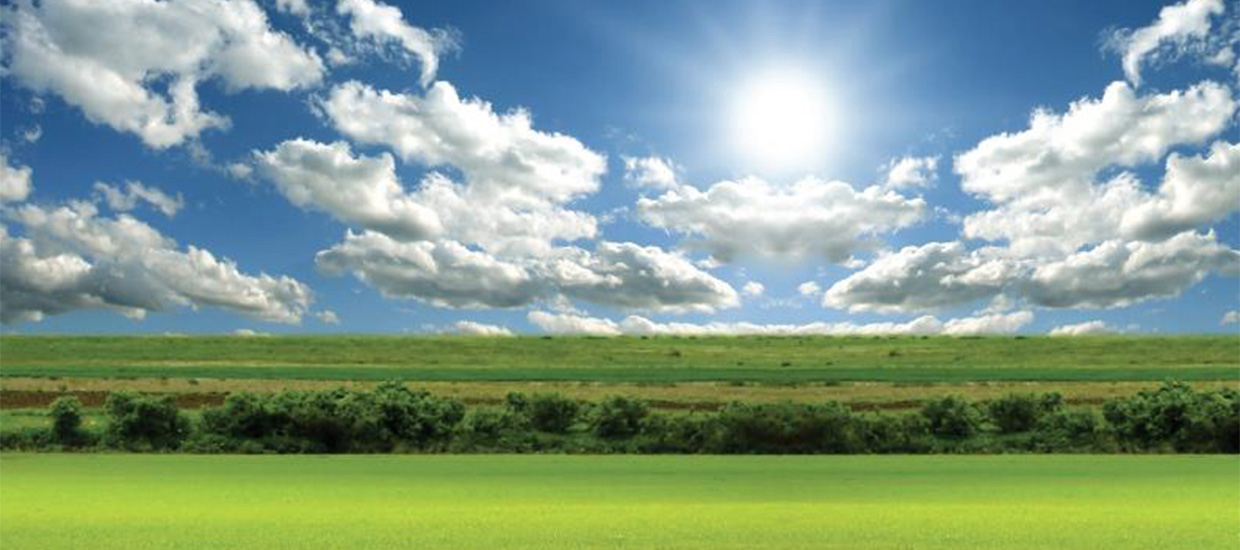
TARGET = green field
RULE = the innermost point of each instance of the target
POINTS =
(554, 502)
(628, 359)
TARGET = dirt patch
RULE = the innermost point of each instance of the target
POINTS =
(26, 399)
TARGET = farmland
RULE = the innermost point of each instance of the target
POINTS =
(554, 502)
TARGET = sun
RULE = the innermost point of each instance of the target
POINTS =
(781, 121)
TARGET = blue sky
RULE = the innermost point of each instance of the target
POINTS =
(620, 167)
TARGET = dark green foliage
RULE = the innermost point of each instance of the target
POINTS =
(66, 416)
(1068, 430)
(546, 412)
(1177, 417)
(787, 428)
(1019, 412)
(895, 433)
(142, 422)
(394, 418)
(952, 417)
(619, 417)
(389, 418)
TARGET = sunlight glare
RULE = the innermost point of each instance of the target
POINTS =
(781, 121)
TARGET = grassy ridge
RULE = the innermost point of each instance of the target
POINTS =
(555, 502)
(629, 359)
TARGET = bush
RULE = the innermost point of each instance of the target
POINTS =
(138, 422)
(547, 412)
(66, 416)
(952, 417)
(619, 417)
(1068, 430)
(892, 433)
(679, 433)
(392, 417)
(1019, 412)
(1177, 417)
(787, 428)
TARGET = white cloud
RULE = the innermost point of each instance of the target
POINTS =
(32, 134)
(651, 172)
(365, 192)
(911, 172)
(14, 181)
(1062, 153)
(1117, 273)
(447, 274)
(249, 333)
(998, 323)
(826, 220)
(1176, 26)
(73, 259)
(382, 24)
(566, 323)
(753, 289)
(110, 59)
(328, 316)
(1083, 329)
(362, 191)
(1195, 191)
(294, 7)
(637, 325)
(124, 200)
(499, 154)
(919, 278)
(479, 329)
(1230, 318)
(809, 289)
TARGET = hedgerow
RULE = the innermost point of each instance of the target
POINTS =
(395, 418)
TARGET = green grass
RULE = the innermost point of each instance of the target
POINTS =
(629, 359)
(558, 502)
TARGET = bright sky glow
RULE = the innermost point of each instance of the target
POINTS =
(781, 120)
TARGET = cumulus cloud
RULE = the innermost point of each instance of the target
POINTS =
(14, 181)
(919, 278)
(1230, 318)
(1117, 273)
(1175, 29)
(1063, 152)
(811, 219)
(911, 172)
(448, 274)
(134, 193)
(112, 58)
(328, 316)
(1195, 191)
(637, 325)
(809, 289)
(1083, 329)
(479, 329)
(380, 24)
(650, 172)
(567, 323)
(753, 289)
(365, 192)
(499, 154)
(73, 259)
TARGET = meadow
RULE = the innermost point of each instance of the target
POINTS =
(561, 502)
(787, 360)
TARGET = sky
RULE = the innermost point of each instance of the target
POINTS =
(642, 167)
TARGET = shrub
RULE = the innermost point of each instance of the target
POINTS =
(138, 422)
(952, 417)
(787, 428)
(894, 433)
(679, 433)
(1019, 412)
(1068, 430)
(619, 417)
(1177, 417)
(547, 412)
(66, 415)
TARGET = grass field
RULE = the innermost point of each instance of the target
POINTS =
(559, 502)
(628, 359)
